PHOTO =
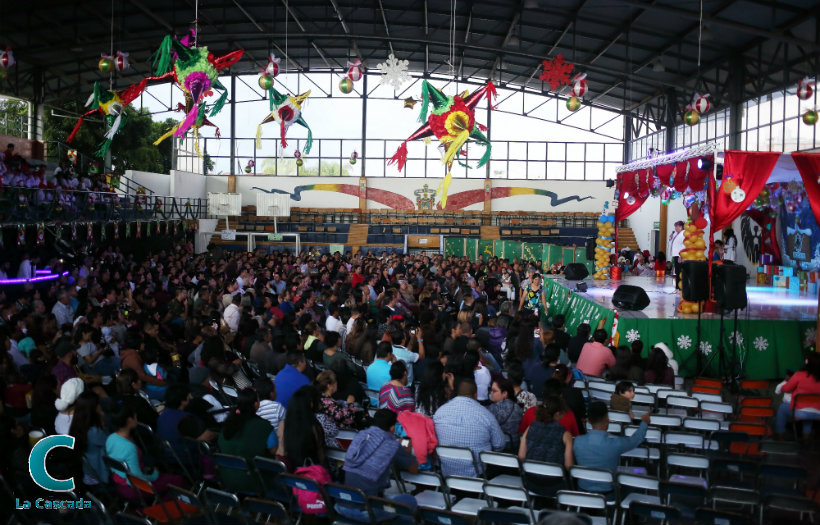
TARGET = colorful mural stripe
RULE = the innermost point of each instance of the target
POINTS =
(456, 201)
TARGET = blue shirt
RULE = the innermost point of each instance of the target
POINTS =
(288, 381)
(167, 424)
(598, 449)
(378, 373)
(463, 422)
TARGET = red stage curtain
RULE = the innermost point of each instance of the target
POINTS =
(750, 170)
(629, 188)
(809, 166)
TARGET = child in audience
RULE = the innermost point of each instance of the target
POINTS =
(153, 369)
(621, 400)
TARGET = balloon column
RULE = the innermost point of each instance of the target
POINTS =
(604, 243)
(694, 247)
(453, 123)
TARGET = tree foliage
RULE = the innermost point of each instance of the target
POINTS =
(310, 168)
(13, 117)
(133, 146)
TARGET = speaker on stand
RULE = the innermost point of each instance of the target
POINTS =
(694, 287)
(729, 284)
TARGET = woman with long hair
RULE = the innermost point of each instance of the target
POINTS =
(129, 391)
(503, 407)
(729, 245)
(658, 371)
(43, 411)
(89, 437)
(247, 435)
(546, 439)
(623, 360)
(341, 414)
(120, 446)
(304, 436)
(806, 381)
(433, 390)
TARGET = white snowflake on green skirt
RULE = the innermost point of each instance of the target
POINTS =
(736, 336)
(705, 347)
(633, 335)
(684, 342)
(761, 343)
(809, 337)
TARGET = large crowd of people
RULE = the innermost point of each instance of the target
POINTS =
(272, 354)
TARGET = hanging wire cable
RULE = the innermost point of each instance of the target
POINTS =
(111, 49)
(700, 32)
(287, 15)
(196, 22)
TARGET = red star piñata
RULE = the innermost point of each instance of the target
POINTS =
(556, 72)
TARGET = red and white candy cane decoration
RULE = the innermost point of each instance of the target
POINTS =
(700, 103)
(805, 88)
(579, 85)
(354, 70)
(121, 61)
(6, 58)
(272, 68)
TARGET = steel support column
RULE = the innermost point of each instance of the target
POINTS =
(736, 83)
(364, 125)
(670, 118)
(233, 122)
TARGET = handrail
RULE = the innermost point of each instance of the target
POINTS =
(19, 204)
(84, 161)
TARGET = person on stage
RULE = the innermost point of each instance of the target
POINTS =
(676, 245)
(729, 245)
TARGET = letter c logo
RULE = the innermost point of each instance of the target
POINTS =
(37, 463)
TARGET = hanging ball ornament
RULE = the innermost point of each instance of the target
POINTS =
(106, 64)
(573, 103)
(6, 58)
(121, 62)
(297, 154)
(805, 89)
(346, 85)
(272, 68)
(266, 82)
(353, 157)
(579, 85)
(691, 117)
(299, 162)
(701, 103)
(810, 117)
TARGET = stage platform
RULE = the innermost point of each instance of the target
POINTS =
(773, 330)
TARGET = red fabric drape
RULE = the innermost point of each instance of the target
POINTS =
(750, 170)
(809, 166)
(629, 188)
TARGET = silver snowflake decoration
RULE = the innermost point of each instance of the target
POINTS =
(736, 337)
(684, 342)
(810, 336)
(760, 343)
(705, 347)
(632, 335)
(394, 72)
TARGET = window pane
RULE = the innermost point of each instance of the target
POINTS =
(556, 170)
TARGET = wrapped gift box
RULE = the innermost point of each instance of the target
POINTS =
(763, 278)
(766, 258)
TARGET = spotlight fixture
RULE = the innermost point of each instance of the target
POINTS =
(705, 163)
(610, 183)
(581, 287)
(658, 66)
(719, 172)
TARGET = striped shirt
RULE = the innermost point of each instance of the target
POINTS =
(396, 398)
(271, 411)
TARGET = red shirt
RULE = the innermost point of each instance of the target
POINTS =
(802, 383)
(568, 422)
(356, 279)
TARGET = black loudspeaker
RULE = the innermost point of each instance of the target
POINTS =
(575, 272)
(630, 298)
(694, 280)
(591, 248)
(729, 281)
(581, 287)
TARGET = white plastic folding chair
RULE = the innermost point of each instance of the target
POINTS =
(579, 383)
(686, 439)
(682, 405)
(619, 417)
(655, 389)
(704, 426)
(665, 421)
(457, 455)
(508, 462)
(703, 396)
(613, 428)
(643, 403)
(605, 386)
(593, 379)
(633, 487)
(653, 434)
(578, 473)
(433, 496)
(515, 495)
(689, 462)
(713, 410)
(679, 383)
(543, 479)
(468, 505)
(597, 394)
(585, 501)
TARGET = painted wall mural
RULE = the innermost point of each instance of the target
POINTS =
(425, 196)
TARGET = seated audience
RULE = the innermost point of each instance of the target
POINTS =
(546, 439)
(805, 381)
(621, 399)
(395, 395)
(658, 371)
(504, 408)
(596, 356)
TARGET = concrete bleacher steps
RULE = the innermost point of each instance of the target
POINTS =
(626, 239)
(491, 232)
(357, 236)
